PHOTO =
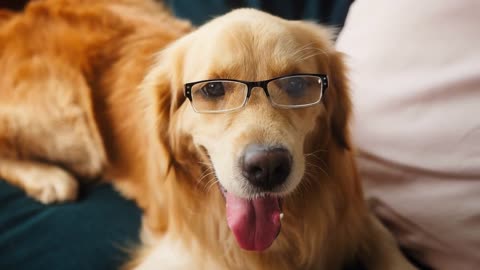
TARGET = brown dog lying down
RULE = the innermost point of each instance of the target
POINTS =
(233, 137)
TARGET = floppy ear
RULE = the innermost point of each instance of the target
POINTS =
(338, 100)
(337, 96)
(163, 84)
(329, 61)
(162, 91)
(161, 96)
(173, 64)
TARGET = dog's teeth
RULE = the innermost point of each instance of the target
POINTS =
(281, 216)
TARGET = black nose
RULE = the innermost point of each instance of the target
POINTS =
(266, 167)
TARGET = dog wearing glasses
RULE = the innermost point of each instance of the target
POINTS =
(233, 137)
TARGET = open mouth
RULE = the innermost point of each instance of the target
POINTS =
(254, 222)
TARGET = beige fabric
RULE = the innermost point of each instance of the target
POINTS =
(416, 91)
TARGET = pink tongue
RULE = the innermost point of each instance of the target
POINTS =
(255, 223)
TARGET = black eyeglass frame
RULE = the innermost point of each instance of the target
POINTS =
(262, 84)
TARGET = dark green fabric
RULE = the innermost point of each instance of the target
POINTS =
(91, 233)
(331, 12)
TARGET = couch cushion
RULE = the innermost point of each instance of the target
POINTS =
(94, 232)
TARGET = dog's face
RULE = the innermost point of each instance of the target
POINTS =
(257, 152)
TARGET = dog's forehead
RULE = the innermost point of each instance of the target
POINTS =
(246, 43)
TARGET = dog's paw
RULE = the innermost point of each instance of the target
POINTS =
(52, 185)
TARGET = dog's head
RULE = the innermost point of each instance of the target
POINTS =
(255, 94)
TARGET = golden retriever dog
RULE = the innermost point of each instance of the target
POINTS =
(233, 137)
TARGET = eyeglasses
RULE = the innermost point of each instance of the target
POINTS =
(225, 95)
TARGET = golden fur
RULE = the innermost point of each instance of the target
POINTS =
(86, 93)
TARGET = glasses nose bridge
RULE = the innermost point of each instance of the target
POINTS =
(259, 84)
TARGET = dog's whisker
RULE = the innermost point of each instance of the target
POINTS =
(313, 164)
(317, 167)
(208, 172)
(205, 175)
(318, 159)
(317, 151)
(207, 184)
(208, 164)
(303, 187)
(207, 168)
(315, 155)
(212, 183)
(305, 184)
(315, 176)
(209, 179)
(309, 176)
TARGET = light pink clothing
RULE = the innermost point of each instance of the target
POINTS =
(415, 72)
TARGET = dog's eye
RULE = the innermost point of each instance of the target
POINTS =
(213, 89)
(295, 86)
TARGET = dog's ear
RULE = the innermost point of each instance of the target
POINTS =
(163, 86)
(337, 96)
(161, 96)
(338, 100)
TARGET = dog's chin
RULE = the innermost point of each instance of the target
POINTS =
(255, 222)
